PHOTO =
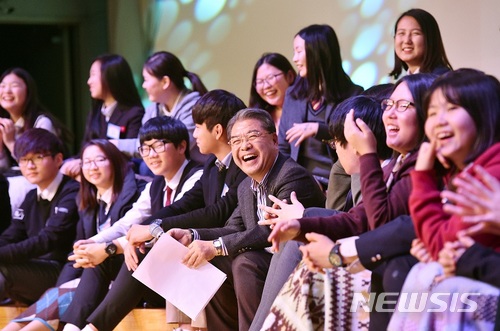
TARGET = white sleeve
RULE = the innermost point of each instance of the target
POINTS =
(189, 183)
(43, 122)
(141, 209)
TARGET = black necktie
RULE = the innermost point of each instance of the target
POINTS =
(44, 208)
(102, 212)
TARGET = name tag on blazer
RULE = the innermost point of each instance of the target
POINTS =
(113, 131)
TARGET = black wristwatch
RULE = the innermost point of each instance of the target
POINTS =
(111, 249)
(335, 258)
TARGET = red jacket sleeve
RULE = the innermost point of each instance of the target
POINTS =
(432, 225)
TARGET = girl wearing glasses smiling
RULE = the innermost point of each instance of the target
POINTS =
(108, 189)
(272, 75)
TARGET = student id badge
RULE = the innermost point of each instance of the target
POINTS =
(113, 131)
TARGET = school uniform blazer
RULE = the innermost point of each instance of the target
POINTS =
(128, 119)
(295, 111)
(87, 226)
(203, 205)
(31, 236)
(157, 186)
(4, 203)
(390, 240)
(241, 232)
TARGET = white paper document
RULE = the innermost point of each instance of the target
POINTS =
(189, 290)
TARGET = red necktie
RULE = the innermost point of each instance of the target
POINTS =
(168, 196)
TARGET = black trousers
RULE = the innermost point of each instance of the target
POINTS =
(389, 278)
(26, 282)
(125, 294)
(94, 284)
(234, 306)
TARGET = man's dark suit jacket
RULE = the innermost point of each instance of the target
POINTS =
(203, 206)
(241, 232)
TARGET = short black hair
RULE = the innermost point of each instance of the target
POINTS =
(216, 107)
(37, 141)
(165, 127)
(369, 110)
(477, 93)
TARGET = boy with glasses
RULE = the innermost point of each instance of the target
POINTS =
(164, 146)
(35, 246)
(208, 204)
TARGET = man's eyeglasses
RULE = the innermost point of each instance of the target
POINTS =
(36, 160)
(157, 146)
(401, 105)
(249, 137)
(271, 79)
(98, 162)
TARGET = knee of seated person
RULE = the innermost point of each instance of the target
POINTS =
(396, 271)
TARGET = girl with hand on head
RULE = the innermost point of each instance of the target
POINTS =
(272, 75)
(116, 105)
(385, 191)
(106, 180)
(385, 194)
(164, 76)
(321, 85)
(418, 46)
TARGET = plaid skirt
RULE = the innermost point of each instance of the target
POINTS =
(51, 305)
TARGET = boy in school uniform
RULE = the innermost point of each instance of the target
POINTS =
(209, 203)
(35, 246)
(164, 143)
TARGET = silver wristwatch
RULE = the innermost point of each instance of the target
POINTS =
(155, 228)
(218, 247)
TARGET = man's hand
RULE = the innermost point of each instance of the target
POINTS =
(199, 252)
(283, 231)
(281, 210)
(138, 234)
(181, 235)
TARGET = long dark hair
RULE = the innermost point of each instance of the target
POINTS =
(117, 79)
(163, 63)
(119, 167)
(278, 61)
(326, 79)
(33, 107)
(479, 94)
(434, 54)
